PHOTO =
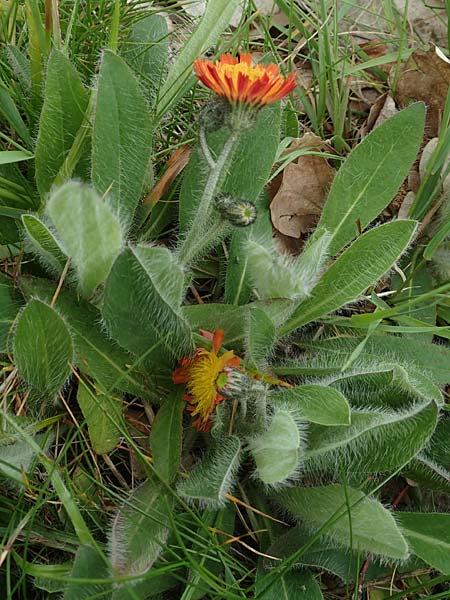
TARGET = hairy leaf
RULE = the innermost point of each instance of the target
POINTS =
(375, 441)
(121, 138)
(316, 403)
(142, 301)
(372, 174)
(88, 231)
(65, 104)
(373, 529)
(43, 347)
(428, 535)
(9, 307)
(44, 244)
(360, 266)
(277, 450)
(140, 529)
(96, 354)
(210, 480)
(146, 51)
(88, 564)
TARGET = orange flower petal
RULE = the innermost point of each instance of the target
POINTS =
(239, 81)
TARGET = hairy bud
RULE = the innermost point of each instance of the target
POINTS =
(215, 114)
(237, 211)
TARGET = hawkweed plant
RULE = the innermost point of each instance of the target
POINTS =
(175, 349)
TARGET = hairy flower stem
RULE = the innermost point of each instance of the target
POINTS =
(199, 237)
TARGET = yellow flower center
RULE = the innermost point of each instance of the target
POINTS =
(205, 381)
(252, 72)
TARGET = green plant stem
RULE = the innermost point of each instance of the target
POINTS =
(196, 240)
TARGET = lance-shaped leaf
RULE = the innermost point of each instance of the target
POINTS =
(332, 354)
(373, 527)
(146, 51)
(88, 564)
(10, 303)
(260, 337)
(88, 232)
(44, 244)
(371, 175)
(142, 301)
(121, 138)
(428, 535)
(42, 347)
(102, 413)
(65, 104)
(166, 436)
(300, 585)
(360, 266)
(431, 467)
(375, 441)
(277, 450)
(140, 529)
(211, 480)
(96, 353)
(316, 403)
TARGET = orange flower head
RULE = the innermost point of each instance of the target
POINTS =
(205, 375)
(241, 82)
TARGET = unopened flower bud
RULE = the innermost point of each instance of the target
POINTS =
(237, 211)
(215, 114)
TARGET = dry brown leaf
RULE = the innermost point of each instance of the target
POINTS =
(425, 77)
(383, 109)
(297, 205)
(175, 165)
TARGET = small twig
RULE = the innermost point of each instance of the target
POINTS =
(60, 283)
(116, 473)
(196, 295)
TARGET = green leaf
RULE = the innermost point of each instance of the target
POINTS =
(166, 436)
(373, 530)
(214, 21)
(140, 529)
(89, 233)
(142, 300)
(294, 584)
(9, 307)
(12, 115)
(88, 564)
(316, 403)
(260, 337)
(18, 457)
(428, 536)
(96, 353)
(375, 441)
(42, 347)
(13, 156)
(103, 415)
(44, 244)
(360, 266)
(324, 554)
(146, 51)
(65, 104)
(372, 174)
(431, 467)
(430, 359)
(277, 450)
(121, 138)
(210, 480)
